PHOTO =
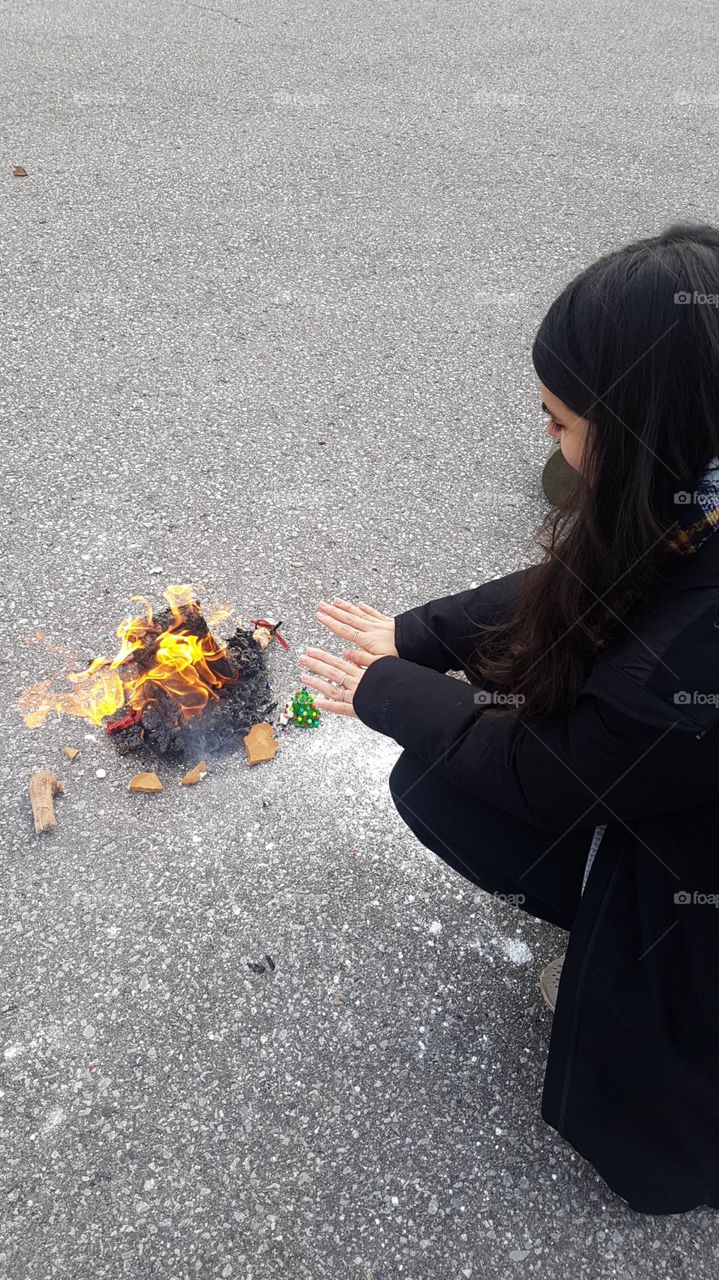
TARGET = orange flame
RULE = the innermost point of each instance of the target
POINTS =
(190, 668)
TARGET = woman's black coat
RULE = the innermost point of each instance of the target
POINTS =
(632, 1078)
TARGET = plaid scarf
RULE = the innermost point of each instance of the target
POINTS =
(698, 515)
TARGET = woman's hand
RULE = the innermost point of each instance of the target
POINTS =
(335, 678)
(369, 632)
(372, 635)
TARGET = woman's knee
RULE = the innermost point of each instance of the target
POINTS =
(406, 771)
(415, 804)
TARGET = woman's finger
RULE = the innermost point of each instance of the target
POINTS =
(347, 605)
(343, 608)
(347, 631)
(323, 686)
(328, 690)
(374, 613)
(361, 608)
(360, 657)
(328, 664)
(336, 708)
(351, 621)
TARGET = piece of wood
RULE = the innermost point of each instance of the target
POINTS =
(71, 752)
(44, 786)
(146, 783)
(260, 743)
(195, 775)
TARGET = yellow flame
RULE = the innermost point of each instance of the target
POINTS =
(186, 667)
(97, 693)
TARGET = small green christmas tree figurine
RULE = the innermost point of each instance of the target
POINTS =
(303, 710)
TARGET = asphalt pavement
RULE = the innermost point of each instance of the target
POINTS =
(269, 291)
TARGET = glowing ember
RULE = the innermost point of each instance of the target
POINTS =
(159, 659)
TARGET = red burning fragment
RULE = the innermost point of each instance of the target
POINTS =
(126, 722)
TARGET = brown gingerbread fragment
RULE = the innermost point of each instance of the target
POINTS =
(260, 743)
(195, 775)
(146, 783)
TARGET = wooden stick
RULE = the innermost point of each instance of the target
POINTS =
(44, 786)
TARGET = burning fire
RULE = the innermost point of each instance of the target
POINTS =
(191, 668)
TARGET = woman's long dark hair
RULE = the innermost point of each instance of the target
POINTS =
(623, 348)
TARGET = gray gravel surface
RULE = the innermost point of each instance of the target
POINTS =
(269, 291)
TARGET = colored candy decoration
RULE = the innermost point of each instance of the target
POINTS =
(302, 709)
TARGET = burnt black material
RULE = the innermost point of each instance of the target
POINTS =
(245, 701)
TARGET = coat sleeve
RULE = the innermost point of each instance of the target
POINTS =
(443, 633)
(596, 765)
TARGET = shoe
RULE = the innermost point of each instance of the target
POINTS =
(549, 981)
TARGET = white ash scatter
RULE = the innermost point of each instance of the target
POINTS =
(341, 757)
(513, 949)
(54, 1118)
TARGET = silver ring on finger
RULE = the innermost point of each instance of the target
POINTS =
(342, 682)
(354, 637)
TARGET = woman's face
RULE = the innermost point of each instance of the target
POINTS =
(564, 426)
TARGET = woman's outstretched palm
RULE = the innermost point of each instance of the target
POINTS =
(369, 632)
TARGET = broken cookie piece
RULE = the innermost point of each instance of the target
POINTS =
(195, 775)
(260, 743)
(147, 783)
